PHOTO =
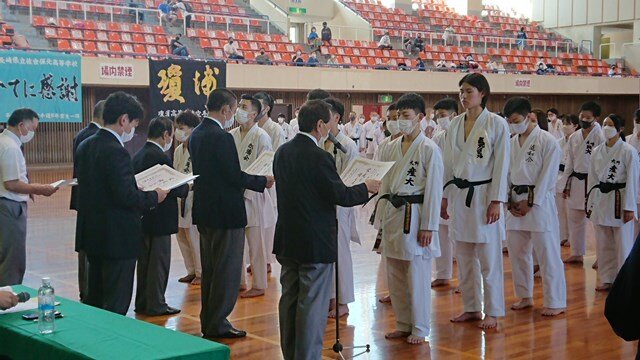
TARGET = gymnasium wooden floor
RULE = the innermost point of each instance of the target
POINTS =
(581, 333)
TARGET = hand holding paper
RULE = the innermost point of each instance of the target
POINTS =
(361, 169)
(162, 177)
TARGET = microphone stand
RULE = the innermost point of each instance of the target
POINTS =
(338, 347)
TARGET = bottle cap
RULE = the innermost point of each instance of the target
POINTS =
(46, 281)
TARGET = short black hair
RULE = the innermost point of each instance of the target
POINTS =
(618, 121)
(158, 125)
(219, 98)
(412, 101)
(553, 110)
(188, 118)
(312, 112)
(98, 109)
(282, 115)
(336, 106)
(479, 82)
(541, 116)
(448, 104)
(571, 119)
(318, 94)
(267, 99)
(391, 107)
(517, 105)
(21, 115)
(120, 103)
(592, 106)
(255, 103)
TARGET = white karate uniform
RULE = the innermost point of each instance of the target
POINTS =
(347, 230)
(536, 163)
(353, 130)
(260, 214)
(556, 129)
(288, 131)
(483, 156)
(614, 238)
(295, 128)
(188, 236)
(578, 160)
(368, 139)
(634, 141)
(417, 172)
(276, 133)
(561, 202)
(444, 263)
(428, 123)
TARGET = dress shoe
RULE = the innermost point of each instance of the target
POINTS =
(187, 279)
(233, 334)
(171, 311)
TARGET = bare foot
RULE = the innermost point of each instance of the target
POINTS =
(505, 250)
(575, 259)
(565, 243)
(196, 281)
(489, 322)
(186, 279)
(595, 265)
(396, 335)
(522, 304)
(252, 293)
(385, 299)
(268, 268)
(439, 282)
(537, 274)
(343, 310)
(603, 287)
(552, 312)
(467, 316)
(416, 340)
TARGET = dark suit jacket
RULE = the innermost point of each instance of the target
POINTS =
(218, 192)
(163, 220)
(83, 134)
(309, 188)
(621, 307)
(110, 205)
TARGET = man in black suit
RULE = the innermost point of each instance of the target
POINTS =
(110, 205)
(219, 213)
(157, 225)
(93, 127)
(309, 188)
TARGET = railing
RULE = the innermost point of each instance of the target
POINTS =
(366, 33)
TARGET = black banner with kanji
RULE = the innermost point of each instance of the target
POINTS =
(179, 84)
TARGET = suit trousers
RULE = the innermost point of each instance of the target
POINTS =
(303, 308)
(521, 247)
(221, 255)
(481, 276)
(13, 239)
(110, 284)
(153, 274)
(83, 274)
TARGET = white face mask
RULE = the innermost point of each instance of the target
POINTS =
(181, 135)
(568, 129)
(361, 120)
(126, 137)
(609, 131)
(406, 126)
(281, 120)
(374, 119)
(444, 122)
(520, 128)
(167, 146)
(242, 116)
(26, 138)
(393, 127)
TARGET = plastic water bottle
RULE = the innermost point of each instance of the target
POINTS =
(46, 307)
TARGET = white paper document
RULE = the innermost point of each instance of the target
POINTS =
(32, 304)
(163, 177)
(263, 166)
(63, 183)
(361, 169)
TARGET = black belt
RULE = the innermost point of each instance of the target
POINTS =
(561, 167)
(466, 184)
(369, 139)
(579, 176)
(355, 139)
(524, 189)
(402, 200)
(606, 188)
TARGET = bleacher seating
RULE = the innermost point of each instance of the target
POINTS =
(384, 19)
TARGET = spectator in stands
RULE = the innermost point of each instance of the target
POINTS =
(541, 62)
(447, 36)
(167, 13)
(385, 42)
(471, 63)
(522, 37)
(332, 60)
(313, 59)
(313, 39)
(185, 9)
(420, 65)
(326, 34)
(440, 65)
(452, 65)
(613, 71)
(493, 67)
(406, 43)
(231, 50)
(133, 4)
(541, 69)
(263, 58)
(418, 43)
(298, 59)
(177, 48)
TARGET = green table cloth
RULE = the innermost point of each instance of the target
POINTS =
(86, 332)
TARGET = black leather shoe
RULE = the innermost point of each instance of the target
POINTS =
(233, 334)
(171, 311)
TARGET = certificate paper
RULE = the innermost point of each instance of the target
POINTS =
(63, 183)
(263, 166)
(163, 177)
(361, 169)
